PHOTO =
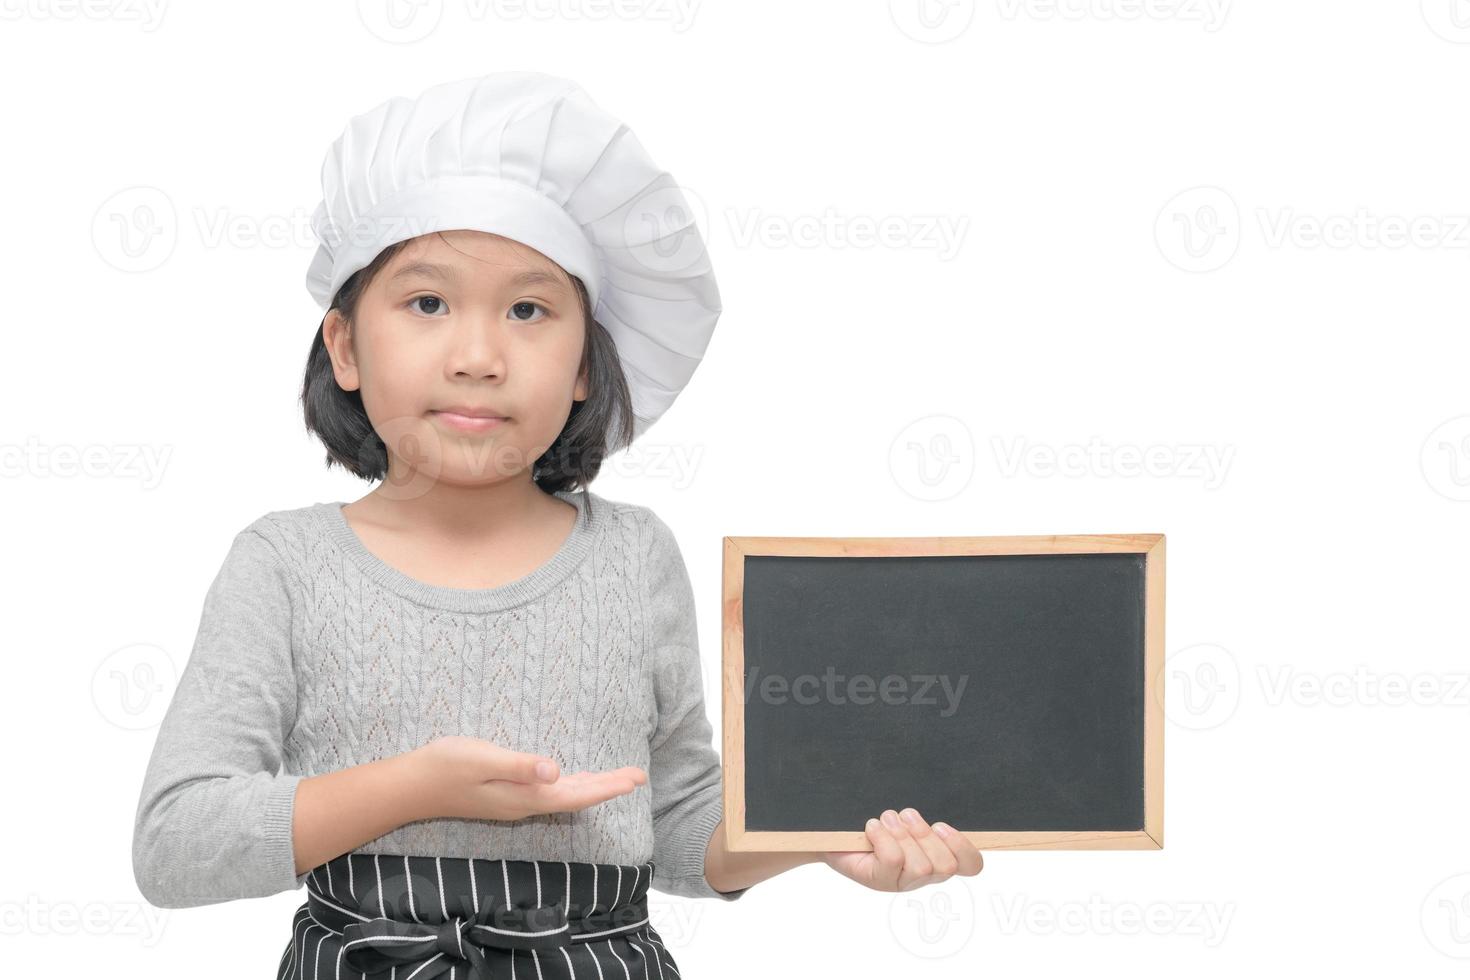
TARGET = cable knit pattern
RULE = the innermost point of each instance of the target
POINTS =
(314, 655)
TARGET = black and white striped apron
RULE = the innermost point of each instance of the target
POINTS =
(399, 917)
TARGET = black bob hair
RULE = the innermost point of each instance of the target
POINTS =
(598, 425)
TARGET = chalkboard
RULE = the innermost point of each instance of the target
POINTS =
(1004, 685)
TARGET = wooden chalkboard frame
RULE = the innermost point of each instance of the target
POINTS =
(1148, 837)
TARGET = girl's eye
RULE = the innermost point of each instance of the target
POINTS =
(525, 306)
(432, 304)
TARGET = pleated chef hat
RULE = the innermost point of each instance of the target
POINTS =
(529, 156)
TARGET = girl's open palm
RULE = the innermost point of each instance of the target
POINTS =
(477, 779)
(907, 853)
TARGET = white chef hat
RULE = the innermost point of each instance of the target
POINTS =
(529, 156)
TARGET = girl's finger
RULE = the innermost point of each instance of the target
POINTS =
(499, 762)
(916, 864)
(595, 788)
(573, 792)
(970, 860)
(633, 773)
(630, 772)
(940, 856)
(889, 857)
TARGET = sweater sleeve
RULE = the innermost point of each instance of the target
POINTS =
(684, 770)
(214, 817)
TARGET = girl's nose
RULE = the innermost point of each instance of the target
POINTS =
(476, 349)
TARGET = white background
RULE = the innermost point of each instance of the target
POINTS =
(1227, 238)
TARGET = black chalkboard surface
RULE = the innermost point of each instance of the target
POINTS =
(1004, 685)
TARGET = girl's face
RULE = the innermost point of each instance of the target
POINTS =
(464, 323)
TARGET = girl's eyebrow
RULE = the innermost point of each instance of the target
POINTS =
(429, 270)
(435, 270)
(536, 277)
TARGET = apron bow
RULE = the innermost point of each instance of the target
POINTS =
(377, 944)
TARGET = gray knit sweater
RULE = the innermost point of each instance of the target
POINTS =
(313, 655)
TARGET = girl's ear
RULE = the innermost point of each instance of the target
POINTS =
(579, 393)
(337, 338)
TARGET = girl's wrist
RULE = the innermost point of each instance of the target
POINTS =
(419, 791)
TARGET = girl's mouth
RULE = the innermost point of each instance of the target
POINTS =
(469, 423)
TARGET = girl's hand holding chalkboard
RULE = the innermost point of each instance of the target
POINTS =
(907, 853)
(477, 779)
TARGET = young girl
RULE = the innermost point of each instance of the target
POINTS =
(466, 710)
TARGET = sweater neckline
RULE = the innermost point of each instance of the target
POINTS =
(530, 586)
